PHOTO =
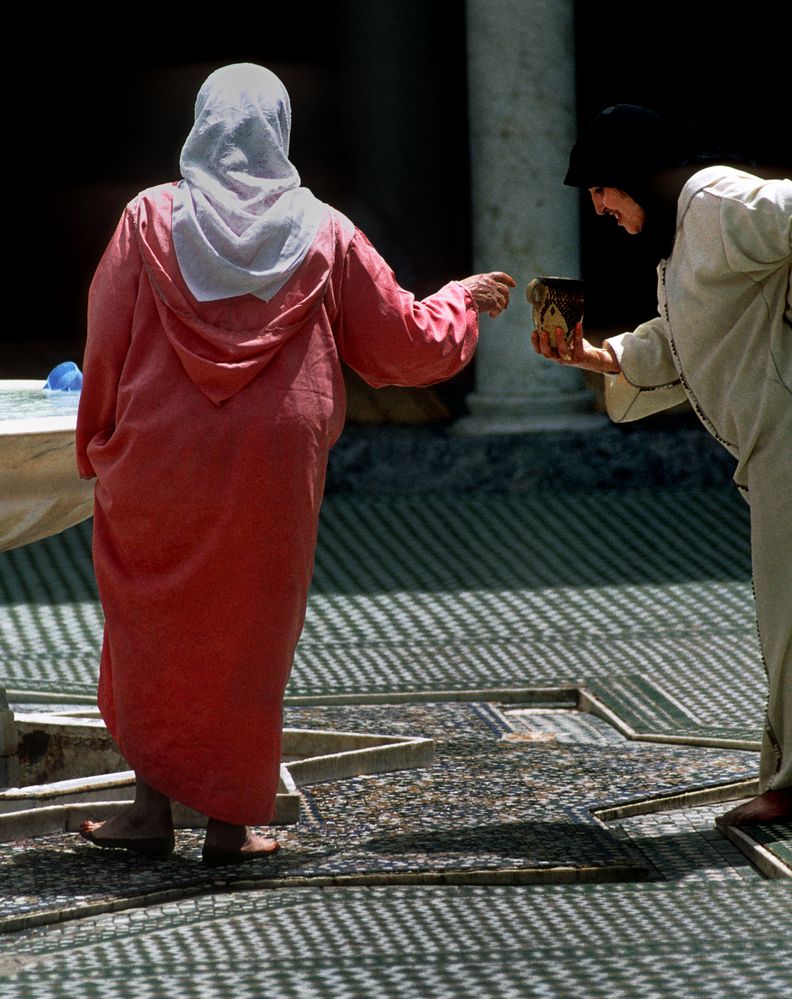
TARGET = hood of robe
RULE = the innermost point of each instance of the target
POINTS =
(223, 345)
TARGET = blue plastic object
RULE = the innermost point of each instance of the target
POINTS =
(66, 377)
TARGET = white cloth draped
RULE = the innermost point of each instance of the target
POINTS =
(242, 223)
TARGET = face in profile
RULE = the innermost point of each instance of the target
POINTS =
(612, 201)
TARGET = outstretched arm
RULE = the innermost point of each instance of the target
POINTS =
(641, 378)
(390, 338)
(579, 353)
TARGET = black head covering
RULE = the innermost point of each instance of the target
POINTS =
(625, 144)
(629, 147)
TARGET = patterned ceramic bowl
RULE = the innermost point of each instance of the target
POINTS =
(557, 304)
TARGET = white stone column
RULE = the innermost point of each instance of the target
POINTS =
(521, 78)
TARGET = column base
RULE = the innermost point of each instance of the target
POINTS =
(535, 414)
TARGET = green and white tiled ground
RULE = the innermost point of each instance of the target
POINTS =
(467, 592)
(642, 595)
(721, 941)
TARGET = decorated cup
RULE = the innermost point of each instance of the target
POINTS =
(557, 304)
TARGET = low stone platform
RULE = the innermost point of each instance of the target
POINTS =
(511, 798)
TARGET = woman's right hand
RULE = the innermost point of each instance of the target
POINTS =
(579, 353)
(490, 291)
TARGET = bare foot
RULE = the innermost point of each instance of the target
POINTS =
(145, 826)
(772, 806)
(230, 844)
(130, 824)
(148, 846)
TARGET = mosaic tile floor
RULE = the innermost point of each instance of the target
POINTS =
(454, 593)
(512, 800)
(723, 941)
(465, 592)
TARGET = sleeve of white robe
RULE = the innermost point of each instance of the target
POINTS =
(649, 381)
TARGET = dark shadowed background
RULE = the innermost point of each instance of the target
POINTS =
(379, 99)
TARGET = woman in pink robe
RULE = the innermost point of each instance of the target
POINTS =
(213, 391)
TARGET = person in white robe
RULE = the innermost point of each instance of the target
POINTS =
(722, 340)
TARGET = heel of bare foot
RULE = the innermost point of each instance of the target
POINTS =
(772, 806)
(226, 843)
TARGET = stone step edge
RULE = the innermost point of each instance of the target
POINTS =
(694, 798)
(771, 865)
(506, 876)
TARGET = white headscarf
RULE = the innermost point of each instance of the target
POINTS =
(242, 223)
